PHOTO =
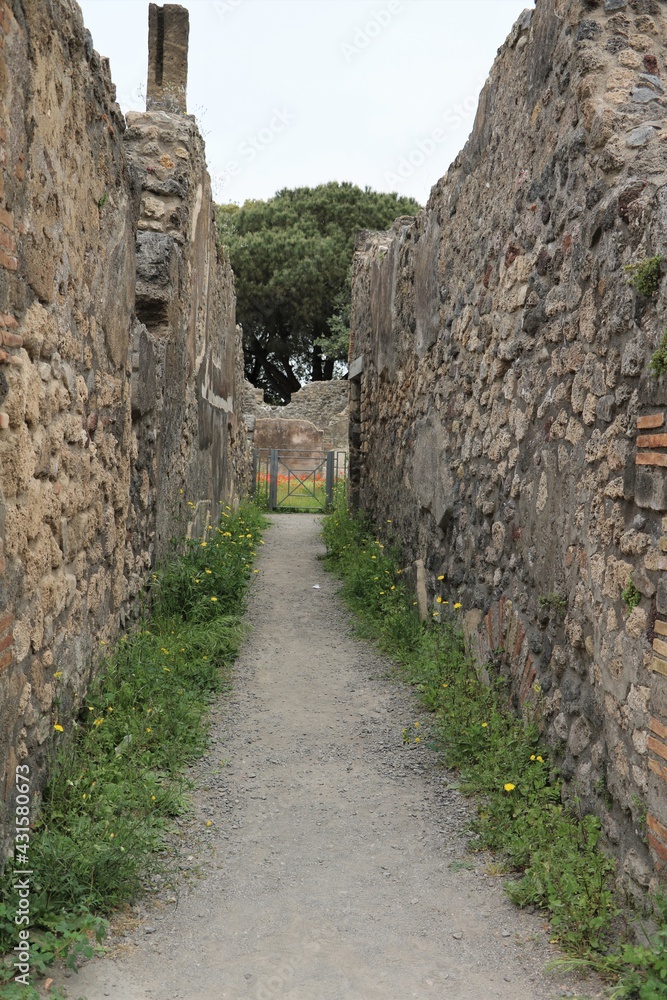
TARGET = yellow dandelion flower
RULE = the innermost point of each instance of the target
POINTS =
(541, 759)
(417, 739)
(445, 685)
(148, 729)
(438, 600)
(111, 836)
(441, 578)
(167, 670)
(84, 796)
(152, 798)
(59, 729)
(214, 598)
(509, 787)
(204, 544)
(58, 673)
(417, 725)
(209, 571)
(373, 557)
(165, 651)
(458, 605)
(98, 722)
(484, 725)
(533, 757)
(209, 822)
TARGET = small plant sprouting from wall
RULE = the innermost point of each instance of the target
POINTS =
(658, 362)
(645, 275)
(631, 596)
(555, 604)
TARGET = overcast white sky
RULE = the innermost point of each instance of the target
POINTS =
(300, 92)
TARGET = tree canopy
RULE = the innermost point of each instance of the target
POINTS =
(292, 258)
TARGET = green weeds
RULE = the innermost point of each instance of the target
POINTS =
(631, 596)
(645, 275)
(551, 852)
(658, 362)
(117, 772)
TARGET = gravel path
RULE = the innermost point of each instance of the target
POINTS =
(335, 864)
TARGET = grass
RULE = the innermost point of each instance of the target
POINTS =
(117, 771)
(303, 492)
(550, 852)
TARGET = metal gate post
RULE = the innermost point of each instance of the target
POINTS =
(329, 482)
(273, 479)
(255, 471)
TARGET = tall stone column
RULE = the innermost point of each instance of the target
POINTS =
(168, 31)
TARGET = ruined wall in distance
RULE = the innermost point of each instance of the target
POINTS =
(503, 414)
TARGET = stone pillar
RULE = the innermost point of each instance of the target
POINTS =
(168, 31)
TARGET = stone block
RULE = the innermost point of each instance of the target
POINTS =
(650, 488)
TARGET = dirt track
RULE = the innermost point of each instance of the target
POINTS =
(333, 862)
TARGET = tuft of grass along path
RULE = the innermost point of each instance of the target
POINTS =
(552, 853)
(117, 771)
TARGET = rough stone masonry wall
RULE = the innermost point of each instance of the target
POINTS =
(107, 426)
(324, 404)
(503, 413)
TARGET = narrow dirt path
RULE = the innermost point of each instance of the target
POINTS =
(335, 863)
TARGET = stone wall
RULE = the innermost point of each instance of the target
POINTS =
(503, 414)
(111, 418)
(324, 404)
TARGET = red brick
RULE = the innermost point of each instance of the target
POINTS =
(658, 727)
(6, 621)
(651, 458)
(657, 828)
(652, 420)
(3, 133)
(7, 240)
(6, 642)
(19, 170)
(6, 659)
(657, 747)
(8, 262)
(528, 686)
(519, 639)
(6, 219)
(657, 768)
(7, 320)
(658, 666)
(652, 441)
(11, 339)
(657, 847)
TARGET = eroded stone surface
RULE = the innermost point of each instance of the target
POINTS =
(504, 371)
